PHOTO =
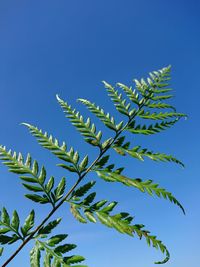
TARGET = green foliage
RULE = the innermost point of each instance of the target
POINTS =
(60, 151)
(33, 179)
(119, 101)
(52, 251)
(84, 210)
(147, 101)
(87, 129)
(144, 186)
(106, 118)
(159, 116)
(11, 225)
(139, 153)
(150, 129)
(28, 224)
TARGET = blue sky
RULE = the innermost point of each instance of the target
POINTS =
(69, 47)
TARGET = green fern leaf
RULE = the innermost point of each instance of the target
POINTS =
(84, 163)
(87, 129)
(160, 105)
(37, 198)
(65, 248)
(144, 186)
(101, 162)
(4, 239)
(120, 222)
(35, 256)
(133, 95)
(119, 102)
(5, 218)
(54, 240)
(106, 118)
(30, 173)
(52, 252)
(49, 227)
(159, 116)
(52, 144)
(90, 216)
(152, 240)
(28, 224)
(8, 225)
(81, 191)
(151, 129)
(74, 210)
(88, 200)
(59, 191)
(139, 153)
(161, 97)
(15, 221)
(74, 259)
(33, 188)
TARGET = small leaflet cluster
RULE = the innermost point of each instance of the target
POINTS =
(139, 153)
(141, 105)
(33, 179)
(10, 229)
(71, 157)
(52, 250)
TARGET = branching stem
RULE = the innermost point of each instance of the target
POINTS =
(102, 152)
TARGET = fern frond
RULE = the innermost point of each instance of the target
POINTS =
(59, 150)
(152, 240)
(120, 103)
(150, 129)
(160, 105)
(159, 116)
(160, 78)
(87, 129)
(139, 153)
(131, 94)
(29, 172)
(148, 98)
(144, 186)
(106, 118)
(121, 222)
(54, 253)
(157, 83)
(11, 225)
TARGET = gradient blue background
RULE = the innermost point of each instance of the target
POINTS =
(69, 47)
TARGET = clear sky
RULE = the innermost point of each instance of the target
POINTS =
(69, 47)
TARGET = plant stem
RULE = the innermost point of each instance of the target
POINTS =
(102, 152)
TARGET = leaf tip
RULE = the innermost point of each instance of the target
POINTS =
(25, 124)
(58, 98)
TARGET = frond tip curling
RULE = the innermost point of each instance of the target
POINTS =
(85, 210)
